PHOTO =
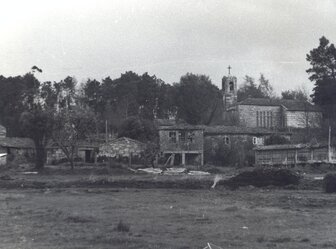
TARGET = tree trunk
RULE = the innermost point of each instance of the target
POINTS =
(39, 157)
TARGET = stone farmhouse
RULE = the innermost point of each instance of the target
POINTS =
(268, 113)
(182, 143)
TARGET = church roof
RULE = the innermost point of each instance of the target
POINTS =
(289, 104)
(222, 129)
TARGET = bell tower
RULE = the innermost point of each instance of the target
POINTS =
(229, 90)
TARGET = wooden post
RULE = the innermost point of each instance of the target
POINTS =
(172, 159)
(130, 159)
(329, 145)
(183, 158)
(95, 157)
(106, 138)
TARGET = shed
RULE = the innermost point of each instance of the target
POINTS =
(292, 154)
(122, 147)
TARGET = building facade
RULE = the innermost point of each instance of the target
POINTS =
(182, 143)
(293, 154)
(231, 145)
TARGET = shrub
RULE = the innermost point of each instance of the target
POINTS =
(123, 227)
(264, 177)
(276, 139)
(329, 183)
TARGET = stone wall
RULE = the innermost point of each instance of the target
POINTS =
(194, 143)
(237, 150)
(248, 115)
(299, 119)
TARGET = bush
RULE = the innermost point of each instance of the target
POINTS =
(276, 139)
(329, 183)
(122, 227)
(264, 177)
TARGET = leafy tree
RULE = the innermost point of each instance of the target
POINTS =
(139, 129)
(93, 96)
(65, 92)
(166, 105)
(323, 61)
(37, 123)
(249, 89)
(196, 98)
(17, 95)
(323, 65)
(297, 94)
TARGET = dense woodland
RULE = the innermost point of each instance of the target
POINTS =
(67, 111)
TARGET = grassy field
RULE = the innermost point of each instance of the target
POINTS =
(166, 218)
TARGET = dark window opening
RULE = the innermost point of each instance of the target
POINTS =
(231, 87)
(226, 140)
(172, 136)
(182, 136)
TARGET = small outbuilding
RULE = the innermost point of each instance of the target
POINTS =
(293, 154)
(122, 147)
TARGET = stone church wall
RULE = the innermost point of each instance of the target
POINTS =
(248, 115)
(299, 119)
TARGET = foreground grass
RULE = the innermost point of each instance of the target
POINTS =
(91, 218)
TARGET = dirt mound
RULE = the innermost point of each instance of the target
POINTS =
(264, 177)
(329, 183)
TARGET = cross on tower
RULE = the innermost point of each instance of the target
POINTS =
(229, 67)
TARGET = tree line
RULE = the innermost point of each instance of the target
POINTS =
(65, 112)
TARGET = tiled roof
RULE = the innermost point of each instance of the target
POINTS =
(17, 142)
(122, 146)
(182, 127)
(289, 104)
(221, 129)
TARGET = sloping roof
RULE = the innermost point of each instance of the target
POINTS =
(165, 122)
(2, 131)
(221, 129)
(182, 127)
(290, 146)
(126, 140)
(289, 104)
(17, 142)
(122, 146)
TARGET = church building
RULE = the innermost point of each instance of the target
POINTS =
(268, 113)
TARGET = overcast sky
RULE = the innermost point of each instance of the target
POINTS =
(167, 38)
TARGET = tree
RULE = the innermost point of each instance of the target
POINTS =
(323, 61)
(323, 71)
(16, 96)
(70, 128)
(249, 89)
(92, 96)
(299, 93)
(139, 129)
(265, 87)
(196, 99)
(38, 125)
(65, 92)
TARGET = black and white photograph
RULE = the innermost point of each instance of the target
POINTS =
(167, 124)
